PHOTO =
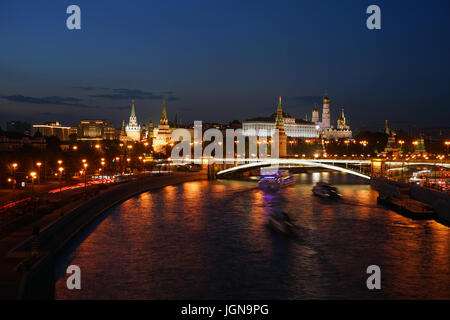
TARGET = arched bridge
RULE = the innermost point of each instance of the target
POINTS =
(341, 165)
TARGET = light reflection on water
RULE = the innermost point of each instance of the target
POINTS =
(209, 240)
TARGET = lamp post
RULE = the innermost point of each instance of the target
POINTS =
(14, 166)
(39, 164)
(85, 169)
(102, 169)
(33, 176)
(364, 144)
(347, 142)
(401, 143)
(447, 143)
(60, 169)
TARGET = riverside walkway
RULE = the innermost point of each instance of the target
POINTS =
(57, 229)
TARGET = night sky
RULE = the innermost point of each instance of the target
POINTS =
(223, 60)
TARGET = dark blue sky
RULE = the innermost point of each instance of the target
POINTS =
(223, 60)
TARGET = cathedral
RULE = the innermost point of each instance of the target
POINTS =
(327, 131)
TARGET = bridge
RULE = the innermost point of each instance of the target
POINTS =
(350, 166)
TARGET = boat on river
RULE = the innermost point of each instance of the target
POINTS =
(325, 190)
(274, 179)
(281, 223)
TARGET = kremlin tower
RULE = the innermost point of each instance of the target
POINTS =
(163, 134)
(133, 130)
(282, 138)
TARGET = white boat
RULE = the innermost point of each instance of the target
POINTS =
(325, 190)
(274, 179)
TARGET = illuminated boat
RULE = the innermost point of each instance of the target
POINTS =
(325, 190)
(274, 179)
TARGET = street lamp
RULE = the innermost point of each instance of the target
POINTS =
(60, 169)
(33, 176)
(39, 164)
(447, 143)
(364, 144)
(14, 166)
(347, 142)
(85, 169)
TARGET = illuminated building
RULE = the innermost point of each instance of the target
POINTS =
(327, 131)
(419, 146)
(95, 130)
(315, 115)
(282, 138)
(163, 134)
(294, 128)
(391, 146)
(133, 130)
(52, 129)
(326, 121)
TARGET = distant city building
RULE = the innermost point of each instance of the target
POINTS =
(95, 130)
(52, 129)
(18, 127)
(10, 144)
(265, 127)
(133, 130)
(435, 134)
(163, 134)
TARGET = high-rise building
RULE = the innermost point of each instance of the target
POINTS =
(133, 130)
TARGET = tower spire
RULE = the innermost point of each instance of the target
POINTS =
(279, 119)
(133, 113)
(164, 114)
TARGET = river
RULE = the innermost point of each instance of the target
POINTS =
(210, 240)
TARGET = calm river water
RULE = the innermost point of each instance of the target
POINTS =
(209, 240)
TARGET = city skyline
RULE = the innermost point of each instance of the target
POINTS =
(209, 59)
